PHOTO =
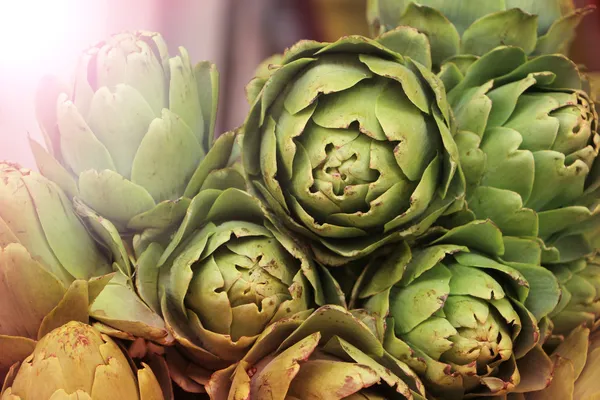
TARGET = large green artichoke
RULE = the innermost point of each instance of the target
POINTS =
(466, 27)
(475, 321)
(349, 143)
(226, 275)
(75, 361)
(528, 139)
(328, 354)
(132, 132)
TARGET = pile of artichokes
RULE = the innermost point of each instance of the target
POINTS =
(410, 216)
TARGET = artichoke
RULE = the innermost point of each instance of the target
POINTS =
(349, 143)
(459, 27)
(75, 361)
(580, 301)
(327, 355)
(227, 274)
(451, 302)
(132, 134)
(50, 267)
(528, 139)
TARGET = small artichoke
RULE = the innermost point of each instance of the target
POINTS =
(75, 361)
(350, 143)
(451, 303)
(227, 274)
(133, 132)
(328, 354)
(528, 139)
(461, 27)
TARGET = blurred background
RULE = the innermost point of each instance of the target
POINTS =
(39, 37)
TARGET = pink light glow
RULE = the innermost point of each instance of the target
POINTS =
(40, 37)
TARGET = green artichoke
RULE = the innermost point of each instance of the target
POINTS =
(528, 140)
(349, 143)
(226, 275)
(463, 27)
(132, 133)
(328, 354)
(580, 301)
(50, 267)
(452, 303)
(75, 361)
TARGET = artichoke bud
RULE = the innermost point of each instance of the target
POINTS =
(134, 129)
(35, 213)
(75, 359)
(471, 317)
(231, 271)
(368, 156)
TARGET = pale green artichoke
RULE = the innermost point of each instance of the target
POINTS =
(528, 139)
(75, 361)
(226, 275)
(350, 143)
(328, 354)
(468, 322)
(475, 27)
(132, 133)
(50, 267)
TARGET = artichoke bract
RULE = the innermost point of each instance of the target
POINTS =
(461, 27)
(580, 301)
(133, 131)
(227, 274)
(350, 143)
(475, 321)
(76, 361)
(575, 373)
(328, 354)
(35, 213)
(528, 139)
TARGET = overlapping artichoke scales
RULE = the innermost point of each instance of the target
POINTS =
(143, 316)
(35, 213)
(227, 274)
(132, 132)
(325, 354)
(451, 302)
(50, 266)
(580, 301)
(349, 143)
(528, 139)
(76, 361)
(457, 27)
